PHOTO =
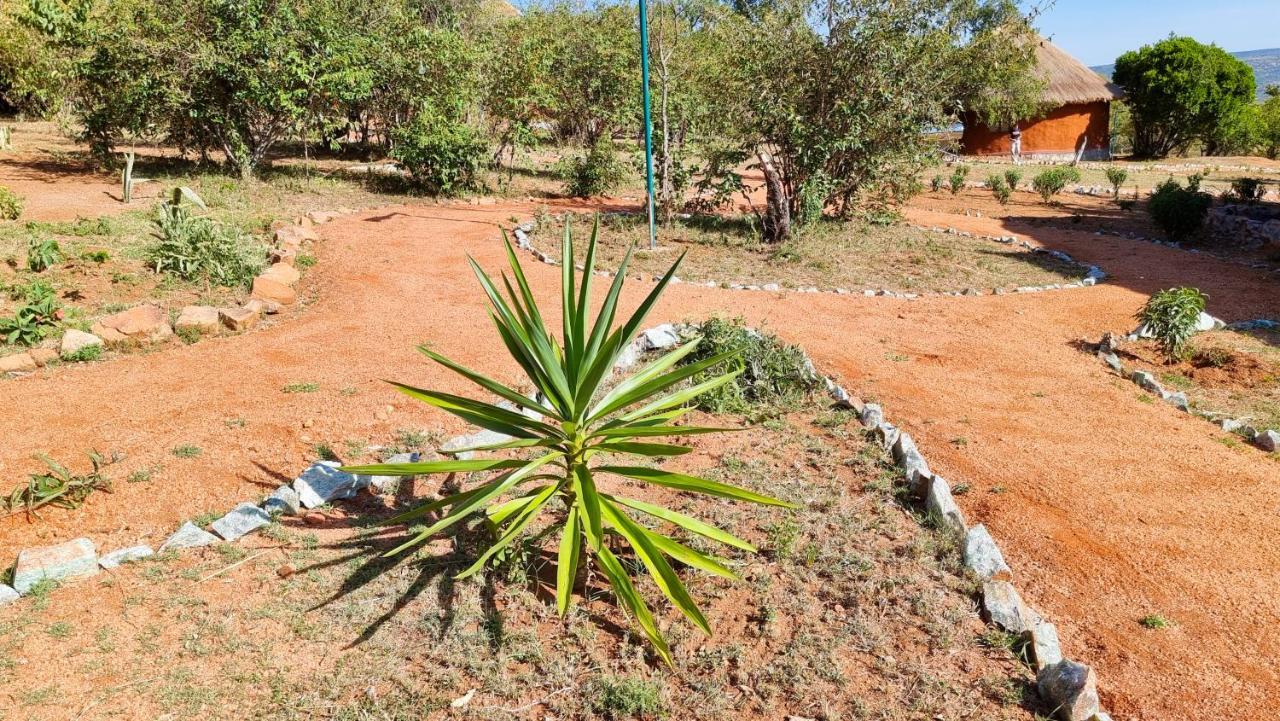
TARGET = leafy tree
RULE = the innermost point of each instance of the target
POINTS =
(1179, 90)
(851, 97)
(1269, 120)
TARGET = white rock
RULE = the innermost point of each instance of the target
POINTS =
(7, 594)
(872, 415)
(124, 555)
(1045, 647)
(942, 505)
(283, 500)
(1268, 440)
(188, 535)
(323, 482)
(60, 562)
(1207, 322)
(74, 340)
(243, 519)
(1002, 606)
(982, 555)
(660, 337)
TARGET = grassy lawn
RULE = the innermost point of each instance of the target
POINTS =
(853, 609)
(829, 255)
(1235, 373)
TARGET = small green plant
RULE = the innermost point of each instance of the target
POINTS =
(1013, 177)
(58, 487)
(594, 173)
(937, 183)
(1180, 212)
(42, 254)
(1052, 181)
(32, 321)
(1154, 621)
(188, 334)
(187, 451)
(958, 175)
(324, 452)
(10, 204)
(1215, 357)
(626, 697)
(304, 261)
(581, 423)
(126, 178)
(301, 388)
(96, 256)
(770, 376)
(999, 188)
(1170, 316)
(194, 247)
(1116, 176)
(84, 355)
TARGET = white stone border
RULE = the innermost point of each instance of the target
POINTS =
(1092, 273)
(1266, 439)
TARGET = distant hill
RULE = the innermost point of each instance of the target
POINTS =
(1265, 63)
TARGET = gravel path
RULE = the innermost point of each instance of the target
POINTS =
(1108, 508)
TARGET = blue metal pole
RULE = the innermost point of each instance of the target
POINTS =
(648, 119)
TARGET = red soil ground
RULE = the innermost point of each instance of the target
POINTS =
(1107, 508)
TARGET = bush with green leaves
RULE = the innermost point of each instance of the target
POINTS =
(771, 376)
(194, 247)
(1013, 177)
(1247, 190)
(1116, 176)
(595, 172)
(32, 321)
(1170, 317)
(442, 155)
(42, 254)
(1050, 182)
(10, 204)
(1180, 212)
(999, 188)
(571, 447)
(936, 183)
(958, 175)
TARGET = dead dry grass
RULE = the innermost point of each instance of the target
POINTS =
(852, 610)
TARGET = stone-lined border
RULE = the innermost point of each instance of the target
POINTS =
(1103, 165)
(148, 323)
(1092, 273)
(1266, 439)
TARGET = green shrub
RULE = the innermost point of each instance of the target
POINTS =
(1180, 212)
(958, 176)
(1013, 177)
(1170, 316)
(580, 424)
(813, 198)
(193, 247)
(1247, 190)
(624, 697)
(772, 375)
(443, 156)
(937, 183)
(42, 254)
(1116, 176)
(999, 188)
(10, 204)
(1051, 182)
(594, 173)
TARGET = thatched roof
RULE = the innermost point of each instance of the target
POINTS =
(1069, 80)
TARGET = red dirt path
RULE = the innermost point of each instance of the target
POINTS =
(1107, 508)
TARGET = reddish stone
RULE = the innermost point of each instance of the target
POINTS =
(295, 235)
(282, 273)
(269, 290)
(17, 363)
(238, 318)
(43, 356)
(142, 324)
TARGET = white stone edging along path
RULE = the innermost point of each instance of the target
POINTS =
(148, 323)
(1093, 274)
(1267, 439)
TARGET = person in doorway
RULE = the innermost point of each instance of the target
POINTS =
(1015, 146)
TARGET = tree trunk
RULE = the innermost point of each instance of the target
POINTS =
(776, 223)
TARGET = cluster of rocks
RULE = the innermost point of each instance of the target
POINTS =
(148, 324)
(1245, 225)
(1266, 439)
(1092, 273)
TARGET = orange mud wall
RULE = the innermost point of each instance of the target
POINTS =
(1057, 133)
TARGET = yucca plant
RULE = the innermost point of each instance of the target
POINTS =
(1170, 316)
(582, 423)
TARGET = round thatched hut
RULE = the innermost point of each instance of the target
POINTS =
(1077, 110)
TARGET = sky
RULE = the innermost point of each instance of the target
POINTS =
(1098, 31)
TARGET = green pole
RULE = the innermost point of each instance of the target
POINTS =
(648, 119)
